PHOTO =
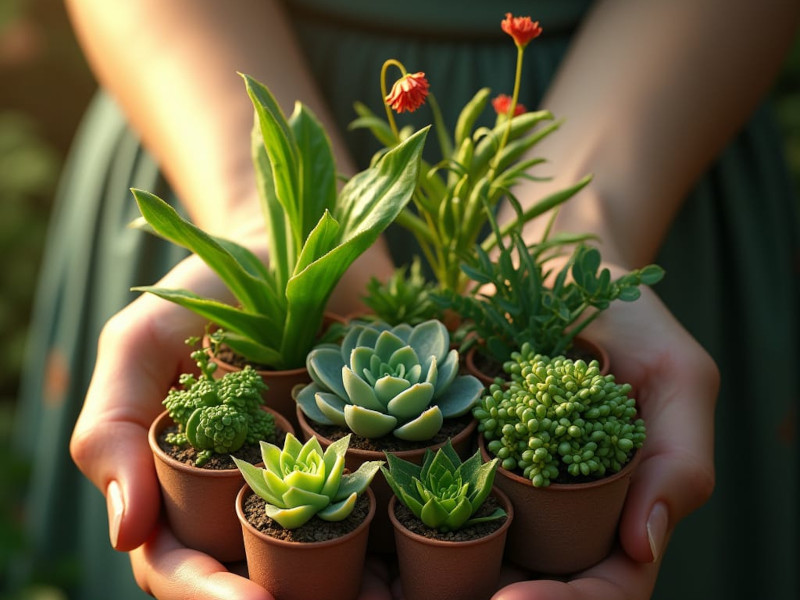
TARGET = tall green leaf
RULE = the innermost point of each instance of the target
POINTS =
(252, 292)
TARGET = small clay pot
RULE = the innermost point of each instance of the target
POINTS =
(381, 532)
(580, 345)
(565, 527)
(433, 569)
(200, 502)
(330, 569)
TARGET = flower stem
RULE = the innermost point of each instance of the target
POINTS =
(511, 109)
(389, 116)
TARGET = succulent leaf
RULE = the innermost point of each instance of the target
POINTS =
(401, 380)
(304, 481)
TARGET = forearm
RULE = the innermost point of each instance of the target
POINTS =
(650, 93)
(172, 67)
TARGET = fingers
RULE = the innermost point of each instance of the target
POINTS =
(169, 571)
(616, 578)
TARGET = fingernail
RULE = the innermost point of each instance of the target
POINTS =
(116, 507)
(657, 529)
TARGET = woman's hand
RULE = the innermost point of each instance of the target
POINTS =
(675, 383)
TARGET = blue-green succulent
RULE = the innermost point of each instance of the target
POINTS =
(218, 415)
(443, 493)
(559, 415)
(301, 481)
(383, 380)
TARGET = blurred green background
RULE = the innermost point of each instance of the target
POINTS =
(44, 87)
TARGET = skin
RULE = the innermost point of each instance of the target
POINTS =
(645, 143)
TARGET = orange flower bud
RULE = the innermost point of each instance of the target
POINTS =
(522, 29)
(408, 92)
(502, 103)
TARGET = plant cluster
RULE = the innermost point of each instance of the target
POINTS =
(478, 166)
(218, 415)
(558, 414)
(385, 380)
(531, 302)
(300, 481)
(443, 492)
(313, 233)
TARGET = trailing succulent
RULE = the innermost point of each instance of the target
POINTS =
(218, 415)
(301, 481)
(558, 414)
(443, 493)
(384, 380)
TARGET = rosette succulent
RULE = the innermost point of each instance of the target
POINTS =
(218, 415)
(385, 380)
(558, 414)
(301, 481)
(443, 493)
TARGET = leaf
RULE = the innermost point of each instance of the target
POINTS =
(359, 481)
(248, 290)
(469, 114)
(259, 327)
(317, 171)
(651, 274)
(257, 353)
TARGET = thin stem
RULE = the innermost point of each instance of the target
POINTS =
(384, 93)
(511, 110)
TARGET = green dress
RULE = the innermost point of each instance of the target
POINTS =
(731, 257)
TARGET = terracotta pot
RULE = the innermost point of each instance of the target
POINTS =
(562, 528)
(200, 502)
(582, 345)
(331, 569)
(381, 533)
(280, 383)
(440, 570)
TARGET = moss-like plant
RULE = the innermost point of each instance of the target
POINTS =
(559, 415)
(301, 481)
(384, 380)
(218, 415)
(443, 493)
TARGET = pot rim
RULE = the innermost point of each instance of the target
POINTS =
(500, 531)
(306, 427)
(163, 420)
(246, 490)
(626, 471)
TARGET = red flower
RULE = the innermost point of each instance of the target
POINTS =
(522, 29)
(408, 92)
(502, 103)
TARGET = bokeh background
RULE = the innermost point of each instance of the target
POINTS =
(44, 87)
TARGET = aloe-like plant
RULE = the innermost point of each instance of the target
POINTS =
(314, 233)
(555, 415)
(218, 415)
(443, 492)
(300, 481)
(382, 380)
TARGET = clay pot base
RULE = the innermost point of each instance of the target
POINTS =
(315, 530)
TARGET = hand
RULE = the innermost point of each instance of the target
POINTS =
(675, 383)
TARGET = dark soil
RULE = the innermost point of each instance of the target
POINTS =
(450, 428)
(188, 455)
(472, 532)
(315, 530)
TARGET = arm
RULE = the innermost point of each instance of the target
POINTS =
(670, 83)
(171, 66)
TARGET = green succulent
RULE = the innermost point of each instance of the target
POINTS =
(218, 415)
(404, 298)
(558, 414)
(301, 481)
(384, 380)
(443, 493)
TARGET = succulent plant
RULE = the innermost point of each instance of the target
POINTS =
(384, 380)
(301, 481)
(443, 493)
(218, 415)
(558, 414)
(404, 298)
